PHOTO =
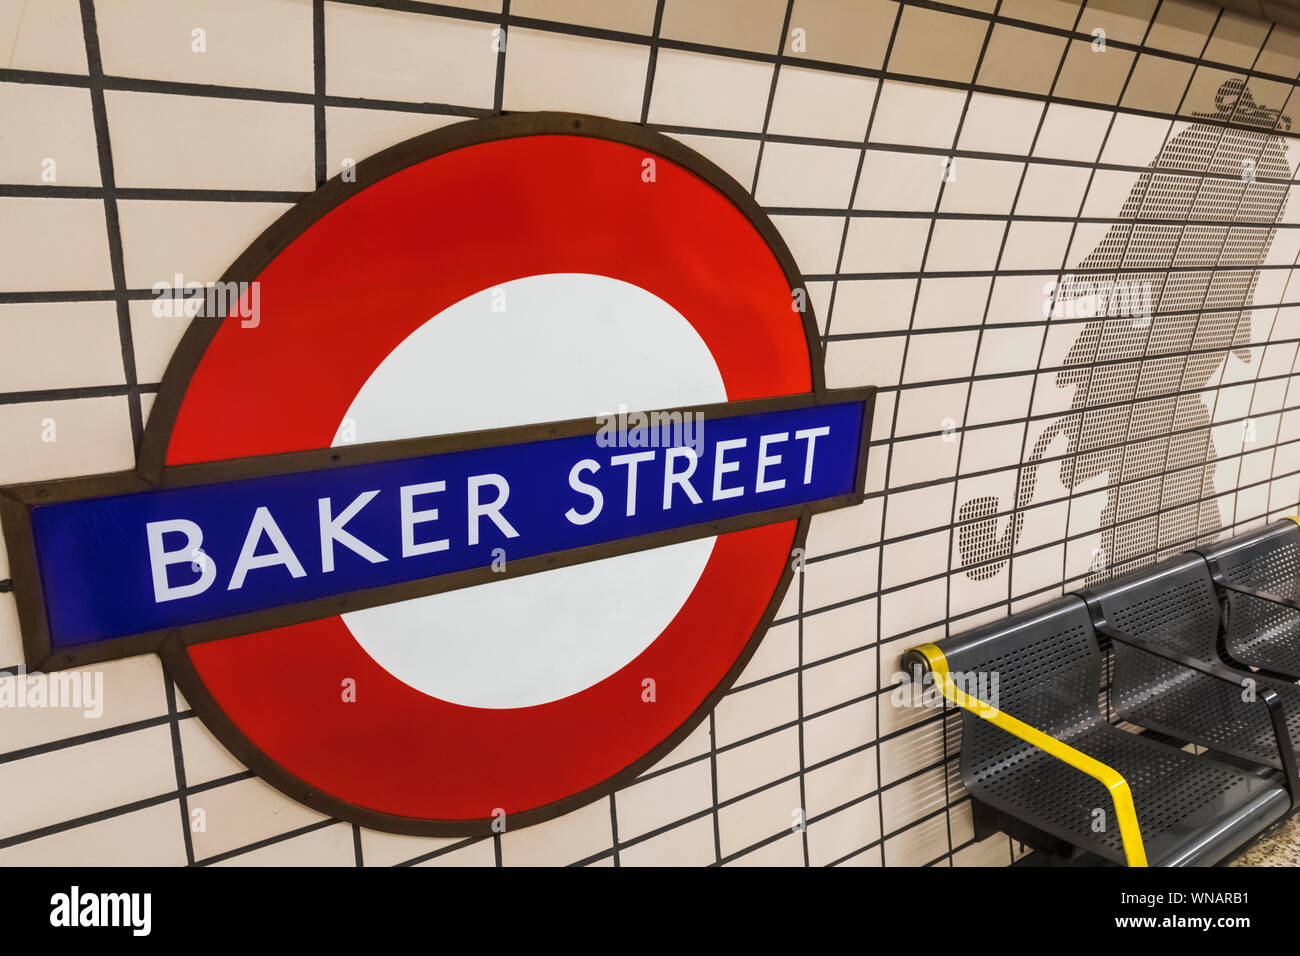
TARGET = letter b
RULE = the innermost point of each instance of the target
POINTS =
(160, 559)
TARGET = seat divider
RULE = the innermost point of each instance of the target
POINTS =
(1266, 695)
(1221, 581)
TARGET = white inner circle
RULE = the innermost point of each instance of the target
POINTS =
(542, 348)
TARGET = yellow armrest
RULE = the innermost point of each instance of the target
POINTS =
(1115, 784)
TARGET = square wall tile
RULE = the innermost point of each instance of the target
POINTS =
(392, 849)
(981, 186)
(65, 439)
(856, 34)
(1281, 53)
(964, 245)
(1021, 59)
(691, 844)
(759, 816)
(352, 134)
(885, 245)
(242, 813)
(816, 177)
(872, 305)
(427, 59)
(206, 759)
(751, 711)
(328, 846)
(737, 157)
(1157, 84)
(53, 245)
(261, 44)
(814, 241)
(938, 45)
(148, 837)
(839, 730)
(199, 240)
(283, 131)
(664, 799)
(49, 136)
(1237, 39)
(1053, 13)
(709, 92)
(43, 36)
(49, 788)
(841, 681)
(1072, 133)
(575, 836)
(841, 833)
(105, 696)
(903, 182)
(916, 115)
(1182, 26)
(1124, 20)
(549, 71)
(51, 345)
(1051, 190)
(628, 16)
(732, 24)
(756, 764)
(819, 103)
(1093, 75)
(1000, 124)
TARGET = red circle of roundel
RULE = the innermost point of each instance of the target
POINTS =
(335, 301)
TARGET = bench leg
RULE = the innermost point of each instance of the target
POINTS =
(985, 819)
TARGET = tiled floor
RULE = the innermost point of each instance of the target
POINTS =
(1277, 847)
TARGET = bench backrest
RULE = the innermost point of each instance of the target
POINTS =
(1170, 603)
(1047, 670)
(1265, 560)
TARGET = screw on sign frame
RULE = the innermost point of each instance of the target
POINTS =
(154, 476)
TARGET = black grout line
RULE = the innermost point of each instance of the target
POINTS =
(839, 263)
(67, 394)
(652, 61)
(178, 754)
(713, 779)
(76, 740)
(95, 81)
(950, 166)
(444, 850)
(262, 844)
(318, 91)
(499, 86)
(613, 827)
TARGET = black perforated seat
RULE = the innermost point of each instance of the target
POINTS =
(1261, 632)
(1044, 667)
(1173, 605)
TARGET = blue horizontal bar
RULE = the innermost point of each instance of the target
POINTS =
(130, 564)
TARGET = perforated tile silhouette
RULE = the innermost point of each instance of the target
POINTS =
(1154, 340)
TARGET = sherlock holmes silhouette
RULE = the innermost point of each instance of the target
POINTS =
(1162, 320)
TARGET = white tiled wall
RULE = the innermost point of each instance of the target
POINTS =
(843, 117)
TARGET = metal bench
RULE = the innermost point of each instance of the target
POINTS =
(1042, 763)
(1258, 576)
(1169, 677)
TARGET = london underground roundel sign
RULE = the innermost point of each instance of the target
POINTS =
(479, 488)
